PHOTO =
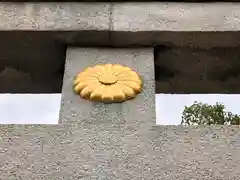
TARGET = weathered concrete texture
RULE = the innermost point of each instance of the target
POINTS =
(176, 16)
(91, 153)
(184, 24)
(191, 70)
(54, 16)
(199, 153)
(130, 23)
(141, 60)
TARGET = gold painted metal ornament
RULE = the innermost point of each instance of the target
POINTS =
(108, 83)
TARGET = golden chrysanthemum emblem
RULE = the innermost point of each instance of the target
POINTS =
(108, 83)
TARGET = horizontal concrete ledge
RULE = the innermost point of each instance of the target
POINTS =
(182, 153)
(175, 23)
(127, 17)
(54, 16)
(135, 17)
(131, 24)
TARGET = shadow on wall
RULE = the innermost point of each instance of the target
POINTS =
(31, 62)
(190, 70)
(17, 81)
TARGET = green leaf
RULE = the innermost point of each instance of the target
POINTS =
(204, 114)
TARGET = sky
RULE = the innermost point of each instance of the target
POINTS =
(169, 107)
(29, 108)
(44, 108)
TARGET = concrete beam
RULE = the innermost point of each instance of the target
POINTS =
(180, 24)
(78, 23)
(54, 16)
(126, 24)
(177, 17)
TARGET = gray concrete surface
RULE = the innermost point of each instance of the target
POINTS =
(141, 60)
(181, 24)
(119, 141)
(186, 24)
(89, 152)
(54, 16)
(69, 23)
(176, 16)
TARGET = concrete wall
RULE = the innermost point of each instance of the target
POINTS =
(181, 24)
(120, 141)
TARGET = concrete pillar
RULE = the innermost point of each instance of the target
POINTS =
(111, 137)
(137, 113)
